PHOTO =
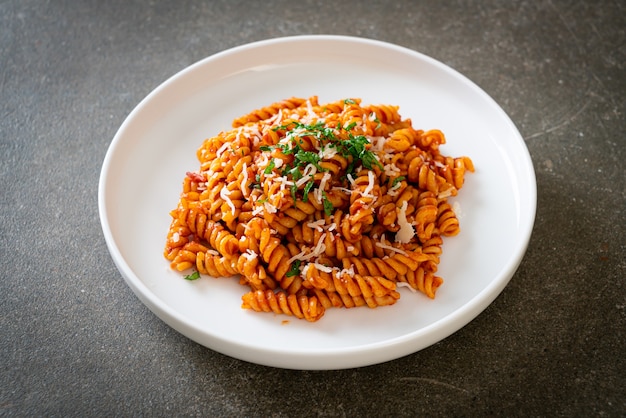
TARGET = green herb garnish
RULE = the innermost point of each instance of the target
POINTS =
(349, 126)
(193, 276)
(270, 167)
(308, 157)
(328, 206)
(396, 181)
(295, 269)
(307, 189)
(356, 147)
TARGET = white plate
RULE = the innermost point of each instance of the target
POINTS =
(142, 173)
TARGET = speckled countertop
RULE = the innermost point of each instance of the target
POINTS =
(75, 340)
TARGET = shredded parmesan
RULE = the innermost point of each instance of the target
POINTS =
(275, 120)
(316, 252)
(378, 142)
(244, 181)
(382, 244)
(342, 189)
(269, 208)
(456, 208)
(394, 190)
(310, 111)
(327, 152)
(391, 170)
(406, 231)
(309, 170)
(368, 190)
(316, 225)
(224, 194)
(322, 267)
(258, 210)
(249, 255)
(405, 284)
(284, 180)
(304, 270)
(319, 190)
(339, 273)
(445, 194)
(223, 148)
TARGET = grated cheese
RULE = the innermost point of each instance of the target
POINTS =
(284, 180)
(224, 194)
(304, 270)
(445, 194)
(318, 192)
(456, 208)
(322, 267)
(368, 190)
(386, 246)
(342, 189)
(275, 120)
(269, 208)
(316, 252)
(303, 180)
(378, 142)
(309, 170)
(223, 148)
(327, 152)
(258, 210)
(339, 273)
(244, 182)
(391, 170)
(405, 284)
(317, 225)
(394, 190)
(406, 232)
(250, 255)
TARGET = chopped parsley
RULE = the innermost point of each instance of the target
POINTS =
(308, 157)
(295, 269)
(397, 180)
(358, 148)
(193, 276)
(307, 189)
(270, 167)
(328, 206)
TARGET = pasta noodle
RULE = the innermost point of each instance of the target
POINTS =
(318, 206)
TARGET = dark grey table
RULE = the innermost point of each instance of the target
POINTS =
(74, 339)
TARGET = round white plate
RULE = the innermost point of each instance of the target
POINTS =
(144, 167)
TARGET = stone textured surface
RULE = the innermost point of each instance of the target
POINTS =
(75, 341)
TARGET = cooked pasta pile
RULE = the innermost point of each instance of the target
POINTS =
(318, 206)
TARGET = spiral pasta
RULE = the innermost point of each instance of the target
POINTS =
(318, 206)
